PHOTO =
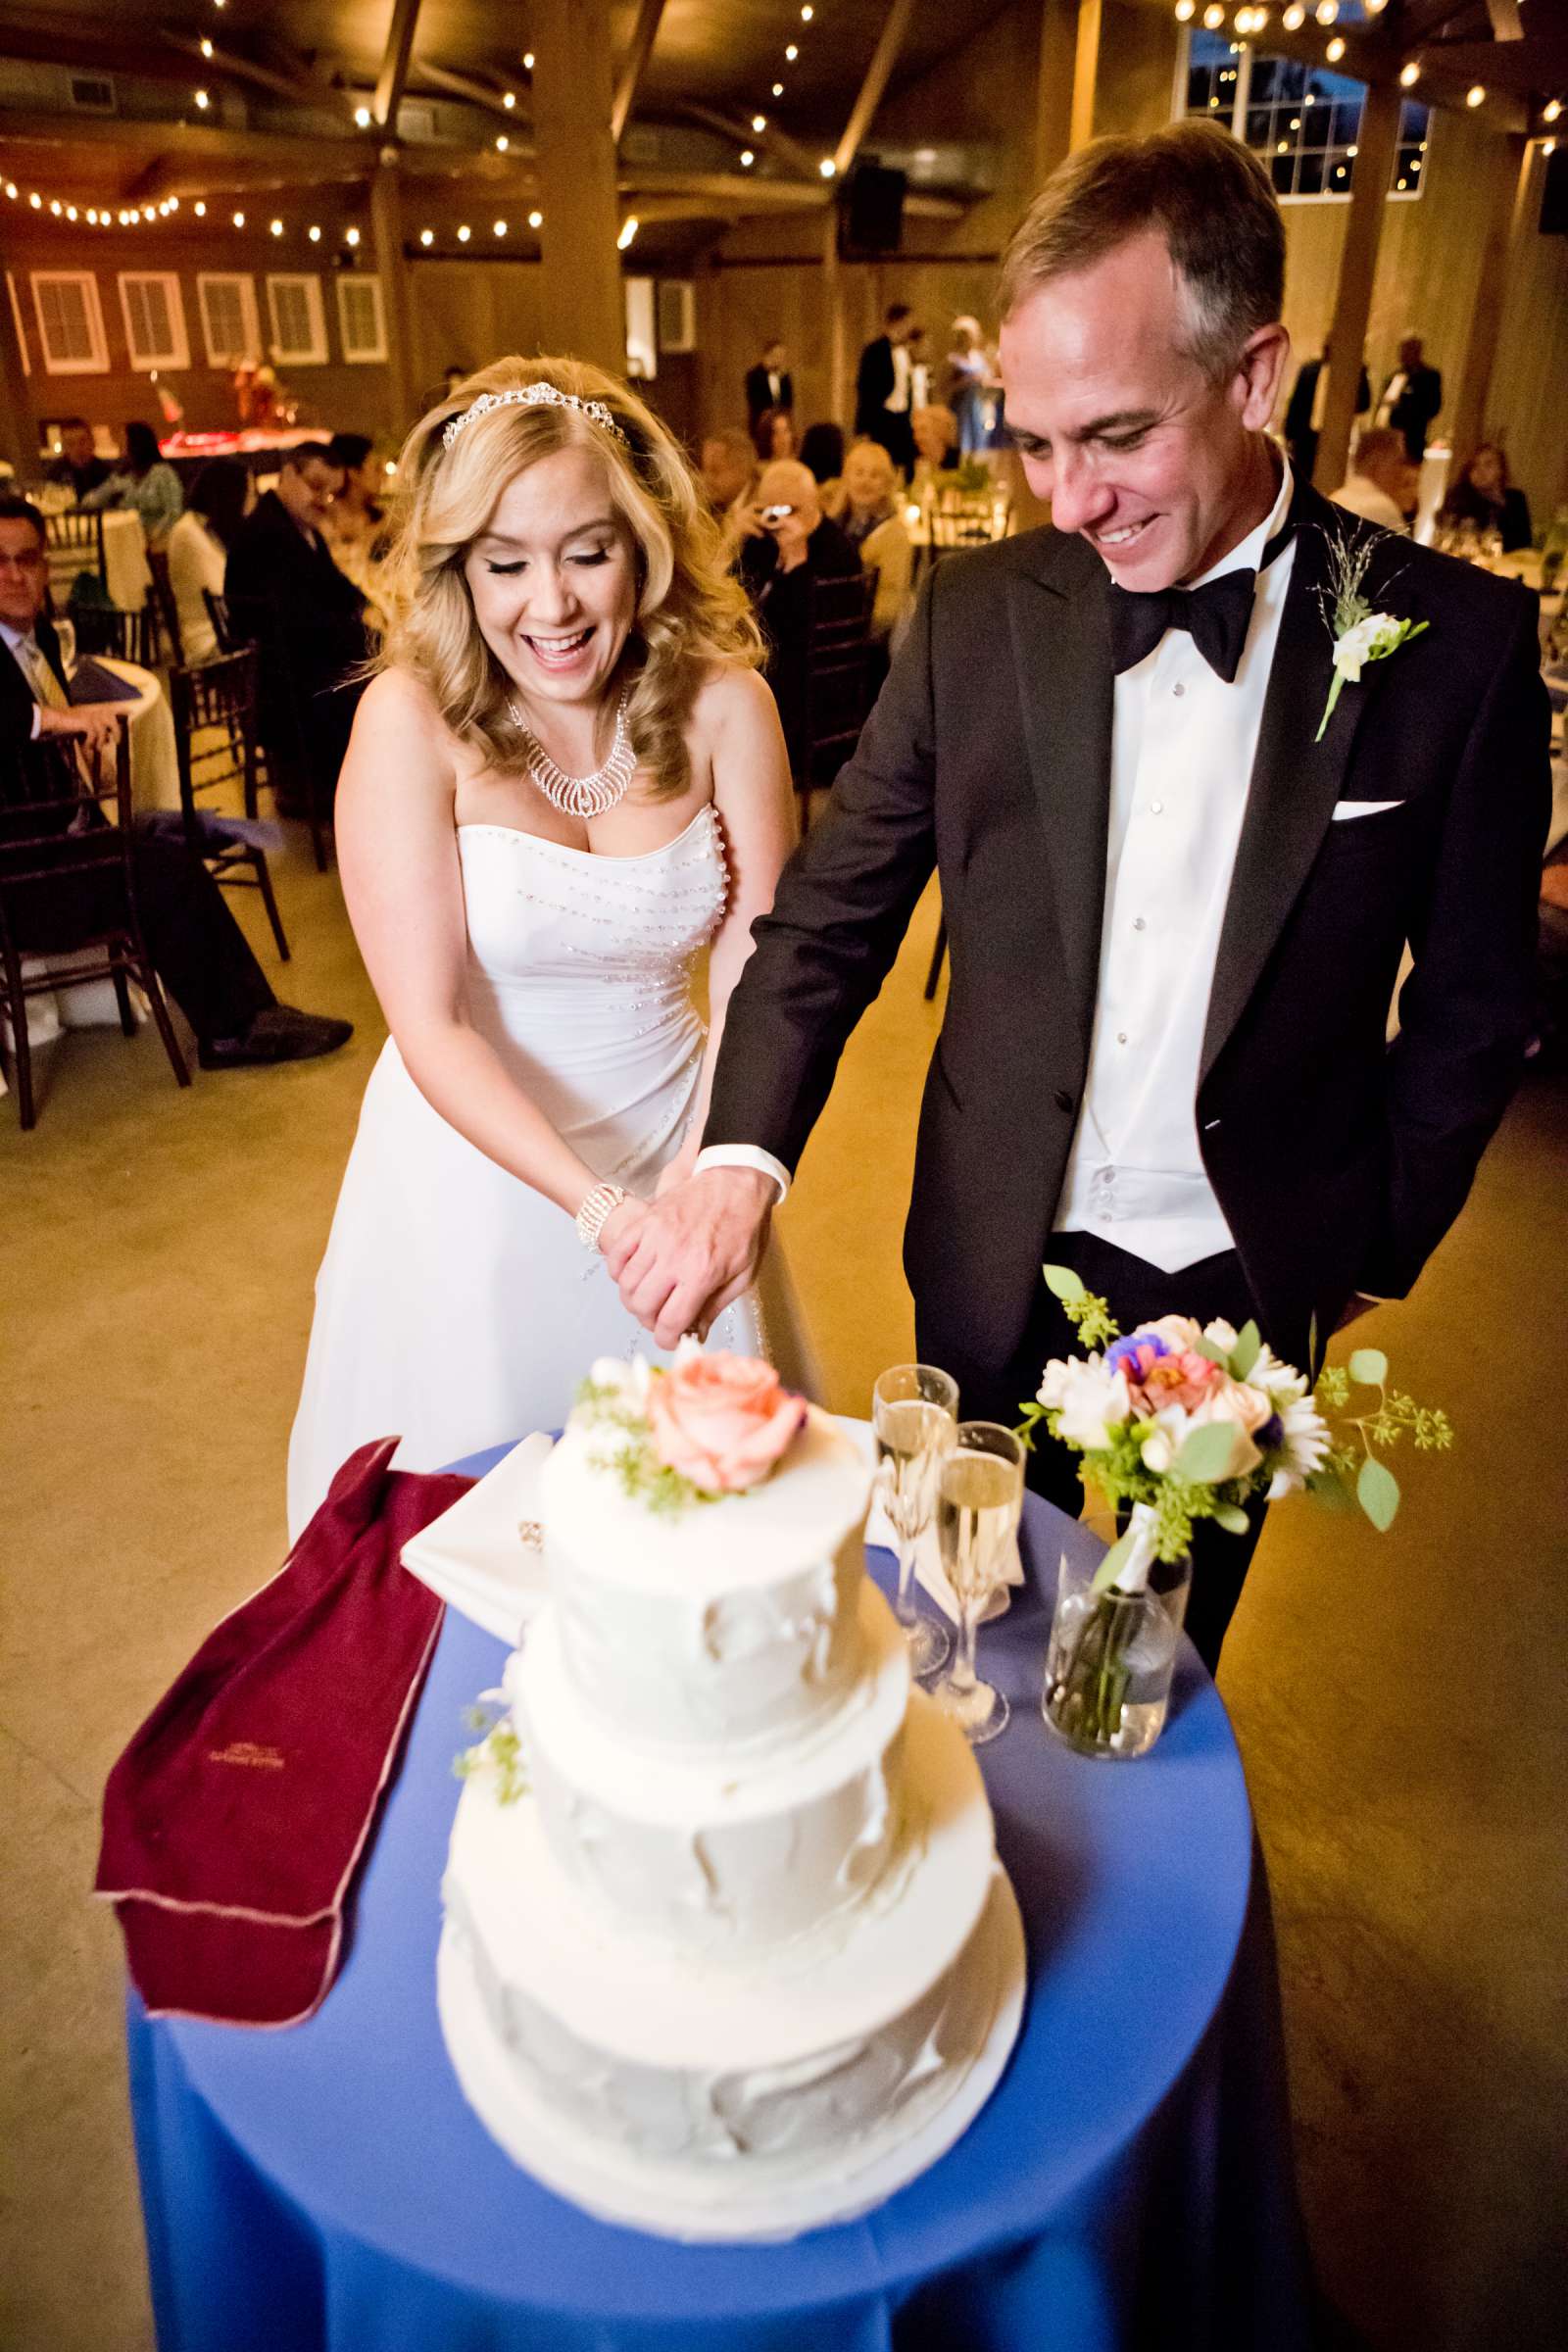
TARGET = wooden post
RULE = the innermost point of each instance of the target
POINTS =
(581, 305)
(1499, 224)
(392, 268)
(1085, 72)
(1058, 44)
(1377, 143)
(838, 364)
(19, 433)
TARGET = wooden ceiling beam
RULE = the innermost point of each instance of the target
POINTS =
(192, 142)
(1539, 61)
(392, 79)
(644, 35)
(465, 86)
(884, 58)
(1507, 24)
(234, 67)
(778, 142)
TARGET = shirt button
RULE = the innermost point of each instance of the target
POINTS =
(1178, 689)
(1121, 1037)
(1138, 922)
(1156, 808)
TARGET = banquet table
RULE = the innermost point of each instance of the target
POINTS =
(326, 2188)
(153, 758)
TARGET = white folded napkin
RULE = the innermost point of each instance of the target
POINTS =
(479, 1557)
(928, 1570)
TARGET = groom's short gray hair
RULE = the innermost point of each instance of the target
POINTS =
(1195, 185)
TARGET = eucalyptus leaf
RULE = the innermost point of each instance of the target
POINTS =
(1231, 1518)
(1328, 1487)
(1246, 1350)
(1067, 1285)
(1114, 1561)
(1377, 1490)
(1370, 1368)
(1215, 1354)
(1205, 1453)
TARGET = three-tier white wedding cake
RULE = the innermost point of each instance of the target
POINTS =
(731, 1954)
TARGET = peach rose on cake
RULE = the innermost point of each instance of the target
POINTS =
(721, 1420)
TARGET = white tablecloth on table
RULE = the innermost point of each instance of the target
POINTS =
(154, 765)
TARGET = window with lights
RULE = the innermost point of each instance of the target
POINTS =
(1303, 121)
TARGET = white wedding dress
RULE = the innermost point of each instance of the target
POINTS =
(455, 1308)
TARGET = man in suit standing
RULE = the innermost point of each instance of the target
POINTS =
(769, 384)
(884, 387)
(1305, 411)
(305, 615)
(1176, 903)
(1411, 398)
(197, 949)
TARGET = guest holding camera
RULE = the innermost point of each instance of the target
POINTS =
(792, 544)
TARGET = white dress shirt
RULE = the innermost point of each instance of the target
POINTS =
(26, 650)
(1183, 744)
(1182, 748)
(897, 400)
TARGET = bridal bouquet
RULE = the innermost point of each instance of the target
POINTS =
(1179, 1422)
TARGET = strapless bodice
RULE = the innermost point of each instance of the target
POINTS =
(543, 915)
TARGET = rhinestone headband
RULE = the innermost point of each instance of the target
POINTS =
(533, 396)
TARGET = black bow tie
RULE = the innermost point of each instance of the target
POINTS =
(1215, 617)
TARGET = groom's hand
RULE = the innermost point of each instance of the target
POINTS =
(695, 1251)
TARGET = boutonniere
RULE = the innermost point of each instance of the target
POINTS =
(1359, 634)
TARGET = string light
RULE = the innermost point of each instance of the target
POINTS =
(628, 229)
(427, 236)
(1295, 17)
(56, 207)
(35, 200)
(1326, 10)
(239, 220)
(463, 234)
(11, 190)
(778, 89)
(1334, 50)
(1548, 114)
(1476, 94)
(759, 121)
(806, 15)
(827, 167)
(527, 61)
(1409, 76)
(361, 116)
(536, 220)
(1186, 9)
(203, 101)
(501, 144)
(351, 236)
(200, 209)
(1375, 8)
(277, 227)
(206, 46)
(1213, 18)
(747, 158)
(510, 100)
(790, 54)
(500, 228)
(313, 233)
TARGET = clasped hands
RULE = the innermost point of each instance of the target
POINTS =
(682, 1258)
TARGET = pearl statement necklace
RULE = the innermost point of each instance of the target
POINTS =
(582, 796)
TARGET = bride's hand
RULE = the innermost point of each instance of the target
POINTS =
(623, 1226)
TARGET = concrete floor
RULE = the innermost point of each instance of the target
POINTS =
(1398, 1702)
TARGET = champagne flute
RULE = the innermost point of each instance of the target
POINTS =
(914, 1409)
(979, 1499)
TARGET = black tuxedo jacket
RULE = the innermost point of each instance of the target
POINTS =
(873, 384)
(272, 562)
(30, 771)
(760, 393)
(1417, 405)
(1339, 1161)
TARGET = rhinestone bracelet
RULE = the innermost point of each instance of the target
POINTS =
(598, 1207)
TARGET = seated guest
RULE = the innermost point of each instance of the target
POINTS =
(730, 478)
(774, 437)
(1483, 496)
(198, 550)
(306, 615)
(865, 508)
(796, 544)
(77, 465)
(822, 450)
(144, 484)
(197, 949)
(1383, 482)
(356, 526)
(936, 444)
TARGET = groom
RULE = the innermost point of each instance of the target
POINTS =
(1176, 903)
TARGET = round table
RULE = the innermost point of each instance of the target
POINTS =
(326, 2186)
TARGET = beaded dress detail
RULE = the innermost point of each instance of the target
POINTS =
(454, 1305)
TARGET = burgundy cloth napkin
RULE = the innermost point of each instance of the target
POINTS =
(235, 1820)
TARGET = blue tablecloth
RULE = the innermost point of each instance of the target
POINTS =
(326, 2188)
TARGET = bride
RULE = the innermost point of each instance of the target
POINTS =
(567, 778)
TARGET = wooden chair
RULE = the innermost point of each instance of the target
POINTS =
(213, 704)
(107, 629)
(74, 542)
(74, 835)
(838, 678)
(164, 607)
(285, 752)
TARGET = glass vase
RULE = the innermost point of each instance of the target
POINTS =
(1111, 1659)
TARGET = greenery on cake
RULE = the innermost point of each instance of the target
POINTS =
(707, 1427)
(499, 1750)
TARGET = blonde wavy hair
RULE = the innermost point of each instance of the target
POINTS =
(690, 610)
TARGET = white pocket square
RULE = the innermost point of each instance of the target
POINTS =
(1344, 810)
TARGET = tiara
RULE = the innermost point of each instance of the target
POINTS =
(533, 396)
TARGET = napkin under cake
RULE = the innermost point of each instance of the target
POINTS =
(733, 1954)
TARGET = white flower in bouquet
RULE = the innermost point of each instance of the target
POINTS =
(1304, 1445)
(1092, 1404)
(1165, 1439)
(1371, 639)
